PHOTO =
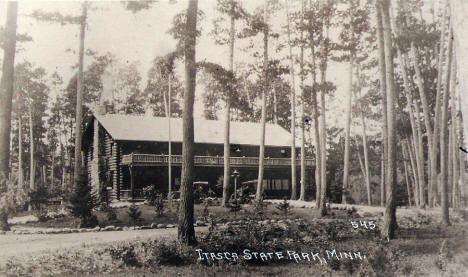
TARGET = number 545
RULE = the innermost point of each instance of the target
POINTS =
(366, 224)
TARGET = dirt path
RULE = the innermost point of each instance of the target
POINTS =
(19, 245)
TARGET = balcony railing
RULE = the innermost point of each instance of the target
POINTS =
(154, 160)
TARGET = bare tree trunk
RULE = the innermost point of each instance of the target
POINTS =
(293, 110)
(275, 105)
(79, 97)
(415, 127)
(316, 130)
(6, 86)
(443, 136)
(427, 121)
(186, 231)
(461, 157)
(52, 170)
(364, 142)
(323, 126)
(455, 151)
(437, 104)
(382, 178)
(95, 182)
(383, 91)
(450, 167)
(32, 175)
(347, 133)
(302, 76)
(414, 169)
(390, 210)
(261, 162)
(419, 153)
(405, 164)
(227, 116)
(20, 152)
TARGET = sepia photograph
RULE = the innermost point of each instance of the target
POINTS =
(234, 138)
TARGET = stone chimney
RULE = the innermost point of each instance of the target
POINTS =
(106, 98)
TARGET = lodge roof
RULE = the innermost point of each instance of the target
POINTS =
(145, 128)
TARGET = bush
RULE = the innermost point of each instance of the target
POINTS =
(38, 197)
(170, 253)
(235, 207)
(82, 203)
(134, 213)
(205, 211)
(110, 212)
(259, 208)
(151, 194)
(284, 207)
(159, 205)
(124, 253)
(12, 197)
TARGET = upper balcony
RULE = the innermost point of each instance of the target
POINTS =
(176, 160)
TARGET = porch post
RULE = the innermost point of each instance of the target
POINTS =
(130, 168)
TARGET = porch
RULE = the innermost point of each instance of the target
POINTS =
(176, 160)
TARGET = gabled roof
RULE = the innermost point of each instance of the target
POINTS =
(144, 128)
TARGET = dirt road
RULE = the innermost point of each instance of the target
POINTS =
(19, 245)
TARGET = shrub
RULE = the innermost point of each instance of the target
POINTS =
(235, 207)
(284, 207)
(169, 253)
(134, 213)
(159, 205)
(151, 194)
(110, 212)
(125, 253)
(12, 197)
(259, 208)
(41, 215)
(38, 197)
(205, 211)
(82, 203)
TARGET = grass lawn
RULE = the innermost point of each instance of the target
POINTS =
(422, 246)
(148, 216)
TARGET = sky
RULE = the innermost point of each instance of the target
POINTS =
(137, 37)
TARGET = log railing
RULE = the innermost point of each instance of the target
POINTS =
(152, 159)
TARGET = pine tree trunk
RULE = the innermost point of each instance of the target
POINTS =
(450, 168)
(443, 135)
(227, 115)
(427, 121)
(455, 150)
(293, 110)
(364, 142)
(186, 231)
(323, 126)
(420, 157)
(316, 129)
(437, 103)
(6, 85)
(79, 97)
(302, 75)
(20, 153)
(383, 91)
(382, 178)
(32, 175)
(95, 182)
(415, 172)
(390, 223)
(461, 157)
(405, 164)
(275, 105)
(261, 162)
(347, 133)
(52, 170)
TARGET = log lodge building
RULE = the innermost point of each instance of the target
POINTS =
(133, 152)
